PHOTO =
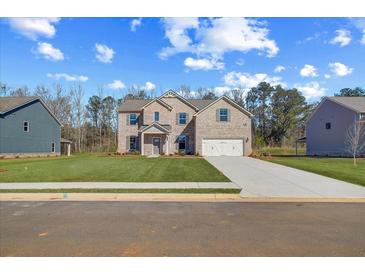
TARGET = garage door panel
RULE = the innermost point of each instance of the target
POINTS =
(222, 147)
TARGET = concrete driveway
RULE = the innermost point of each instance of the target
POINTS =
(264, 179)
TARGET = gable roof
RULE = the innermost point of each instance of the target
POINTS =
(133, 104)
(230, 101)
(138, 104)
(10, 103)
(173, 93)
(163, 128)
(166, 105)
(354, 103)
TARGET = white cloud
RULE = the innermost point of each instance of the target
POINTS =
(135, 23)
(240, 62)
(279, 69)
(67, 77)
(363, 37)
(104, 53)
(176, 30)
(33, 28)
(215, 36)
(219, 91)
(340, 69)
(311, 90)
(116, 84)
(148, 86)
(359, 23)
(247, 81)
(343, 37)
(308, 71)
(203, 64)
(327, 76)
(49, 52)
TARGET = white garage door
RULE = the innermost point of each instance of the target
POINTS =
(222, 147)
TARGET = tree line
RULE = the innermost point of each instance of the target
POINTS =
(279, 113)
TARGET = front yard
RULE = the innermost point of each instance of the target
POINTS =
(104, 168)
(337, 168)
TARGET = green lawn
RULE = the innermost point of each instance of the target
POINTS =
(104, 168)
(337, 168)
(123, 190)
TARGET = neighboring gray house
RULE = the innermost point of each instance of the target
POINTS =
(327, 127)
(28, 128)
(171, 124)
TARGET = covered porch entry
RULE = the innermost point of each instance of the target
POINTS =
(154, 139)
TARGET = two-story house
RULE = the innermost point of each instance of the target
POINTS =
(171, 124)
(327, 127)
(28, 128)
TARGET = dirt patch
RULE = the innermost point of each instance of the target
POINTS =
(3, 170)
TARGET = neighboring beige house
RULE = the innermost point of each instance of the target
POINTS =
(327, 127)
(170, 124)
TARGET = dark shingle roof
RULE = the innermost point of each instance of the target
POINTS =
(9, 103)
(137, 104)
(355, 103)
(133, 104)
(200, 103)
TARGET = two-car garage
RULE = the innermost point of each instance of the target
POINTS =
(222, 147)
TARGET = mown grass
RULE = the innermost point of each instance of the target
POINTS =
(106, 168)
(118, 190)
(337, 168)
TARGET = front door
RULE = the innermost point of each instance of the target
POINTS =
(156, 142)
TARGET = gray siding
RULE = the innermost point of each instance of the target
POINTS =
(322, 141)
(43, 130)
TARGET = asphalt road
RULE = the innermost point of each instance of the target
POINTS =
(181, 229)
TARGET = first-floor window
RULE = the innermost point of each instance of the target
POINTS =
(133, 142)
(53, 147)
(182, 142)
(328, 125)
(26, 126)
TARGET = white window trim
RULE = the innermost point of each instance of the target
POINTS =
(220, 120)
(185, 118)
(130, 119)
(28, 128)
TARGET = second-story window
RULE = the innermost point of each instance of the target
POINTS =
(182, 118)
(132, 119)
(157, 116)
(223, 115)
(26, 126)
(362, 116)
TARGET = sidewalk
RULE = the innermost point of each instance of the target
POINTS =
(131, 185)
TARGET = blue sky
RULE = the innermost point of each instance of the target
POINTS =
(319, 56)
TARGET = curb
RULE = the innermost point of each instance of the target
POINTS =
(162, 197)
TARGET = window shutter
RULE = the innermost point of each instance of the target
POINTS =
(137, 119)
(228, 115)
(187, 143)
(138, 145)
(127, 120)
(217, 115)
(177, 118)
(127, 142)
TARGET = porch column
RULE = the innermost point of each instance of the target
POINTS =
(68, 150)
(142, 143)
(167, 144)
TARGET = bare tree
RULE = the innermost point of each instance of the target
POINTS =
(20, 92)
(78, 112)
(5, 90)
(355, 139)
